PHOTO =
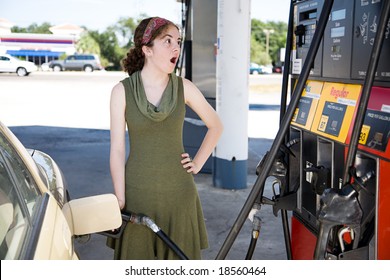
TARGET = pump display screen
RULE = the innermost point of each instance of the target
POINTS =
(339, 15)
(310, 14)
(337, 32)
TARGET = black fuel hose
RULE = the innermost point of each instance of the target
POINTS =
(146, 221)
(255, 236)
(171, 245)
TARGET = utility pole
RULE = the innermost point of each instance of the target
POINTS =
(267, 33)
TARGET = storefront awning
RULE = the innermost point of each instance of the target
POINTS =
(33, 53)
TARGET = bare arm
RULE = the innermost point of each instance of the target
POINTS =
(117, 139)
(196, 101)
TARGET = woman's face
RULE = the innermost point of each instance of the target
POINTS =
(165, 50)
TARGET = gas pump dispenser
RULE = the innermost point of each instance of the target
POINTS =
(338, 171)
(342, 209)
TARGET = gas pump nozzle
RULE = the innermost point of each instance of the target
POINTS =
(341, 208)
(141, 219)
(336, 209)
(284, 199)
(321, 178)
(281, 201)
(360, 182)
(300, 32)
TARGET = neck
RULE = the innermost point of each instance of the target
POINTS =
(150, 76)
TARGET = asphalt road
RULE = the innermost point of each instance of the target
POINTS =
(67, 116)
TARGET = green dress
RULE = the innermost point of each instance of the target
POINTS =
(156, 183)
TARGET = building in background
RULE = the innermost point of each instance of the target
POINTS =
(39, 48)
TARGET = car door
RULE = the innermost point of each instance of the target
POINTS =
(71, 63)
(6, 64)
(81, 61)
(31, 223)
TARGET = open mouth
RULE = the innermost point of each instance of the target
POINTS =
(173, 60)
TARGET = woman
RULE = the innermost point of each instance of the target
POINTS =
(156, 180)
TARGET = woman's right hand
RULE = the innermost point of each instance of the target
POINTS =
(121, 203)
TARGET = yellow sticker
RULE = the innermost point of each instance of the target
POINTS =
(294, 118)
(305, 111)
(335, 111)
(364, 134)
(323, 123)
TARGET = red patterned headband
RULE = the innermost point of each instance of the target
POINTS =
(153, 25)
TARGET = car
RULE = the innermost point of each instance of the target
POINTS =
(11, 64)
(77, 62)
(277, 69)
(255, 69)
(45, 66)
(37, 218)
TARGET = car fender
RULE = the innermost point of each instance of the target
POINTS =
(55, 239)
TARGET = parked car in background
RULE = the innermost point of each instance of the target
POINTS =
(37, 218)
(277, 69)
(45, 66)
(77, 62)
(255, 69)
(10, 64)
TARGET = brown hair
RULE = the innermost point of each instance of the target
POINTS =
(135, 58)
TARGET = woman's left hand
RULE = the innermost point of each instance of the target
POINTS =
(189, 164)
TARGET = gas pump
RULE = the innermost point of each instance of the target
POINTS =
(340, 213)
(339, 116)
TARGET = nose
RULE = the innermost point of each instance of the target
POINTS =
(177, 46)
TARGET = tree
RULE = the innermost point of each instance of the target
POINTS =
(257, 52)
(109, 47)
(87, 44)
(277, 40)
(33, 28)
(125, 28)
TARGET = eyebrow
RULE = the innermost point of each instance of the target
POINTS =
(169, 35)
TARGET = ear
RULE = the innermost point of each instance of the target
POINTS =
(147, 51)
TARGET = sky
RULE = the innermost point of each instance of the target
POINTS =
(99, 14)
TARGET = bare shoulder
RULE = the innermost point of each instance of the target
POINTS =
(118, 97)
(118, 89)
(191, 91)
(188, 85)
(118, 92)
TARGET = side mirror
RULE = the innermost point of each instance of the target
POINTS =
(93, 214)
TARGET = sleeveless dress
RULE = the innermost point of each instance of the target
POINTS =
(156, 183)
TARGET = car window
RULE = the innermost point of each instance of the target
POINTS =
(18, 198)
(4, 58)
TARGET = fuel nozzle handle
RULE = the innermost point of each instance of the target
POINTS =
(144, 220)
(300, 31)
(359, 183)
(141, 219)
